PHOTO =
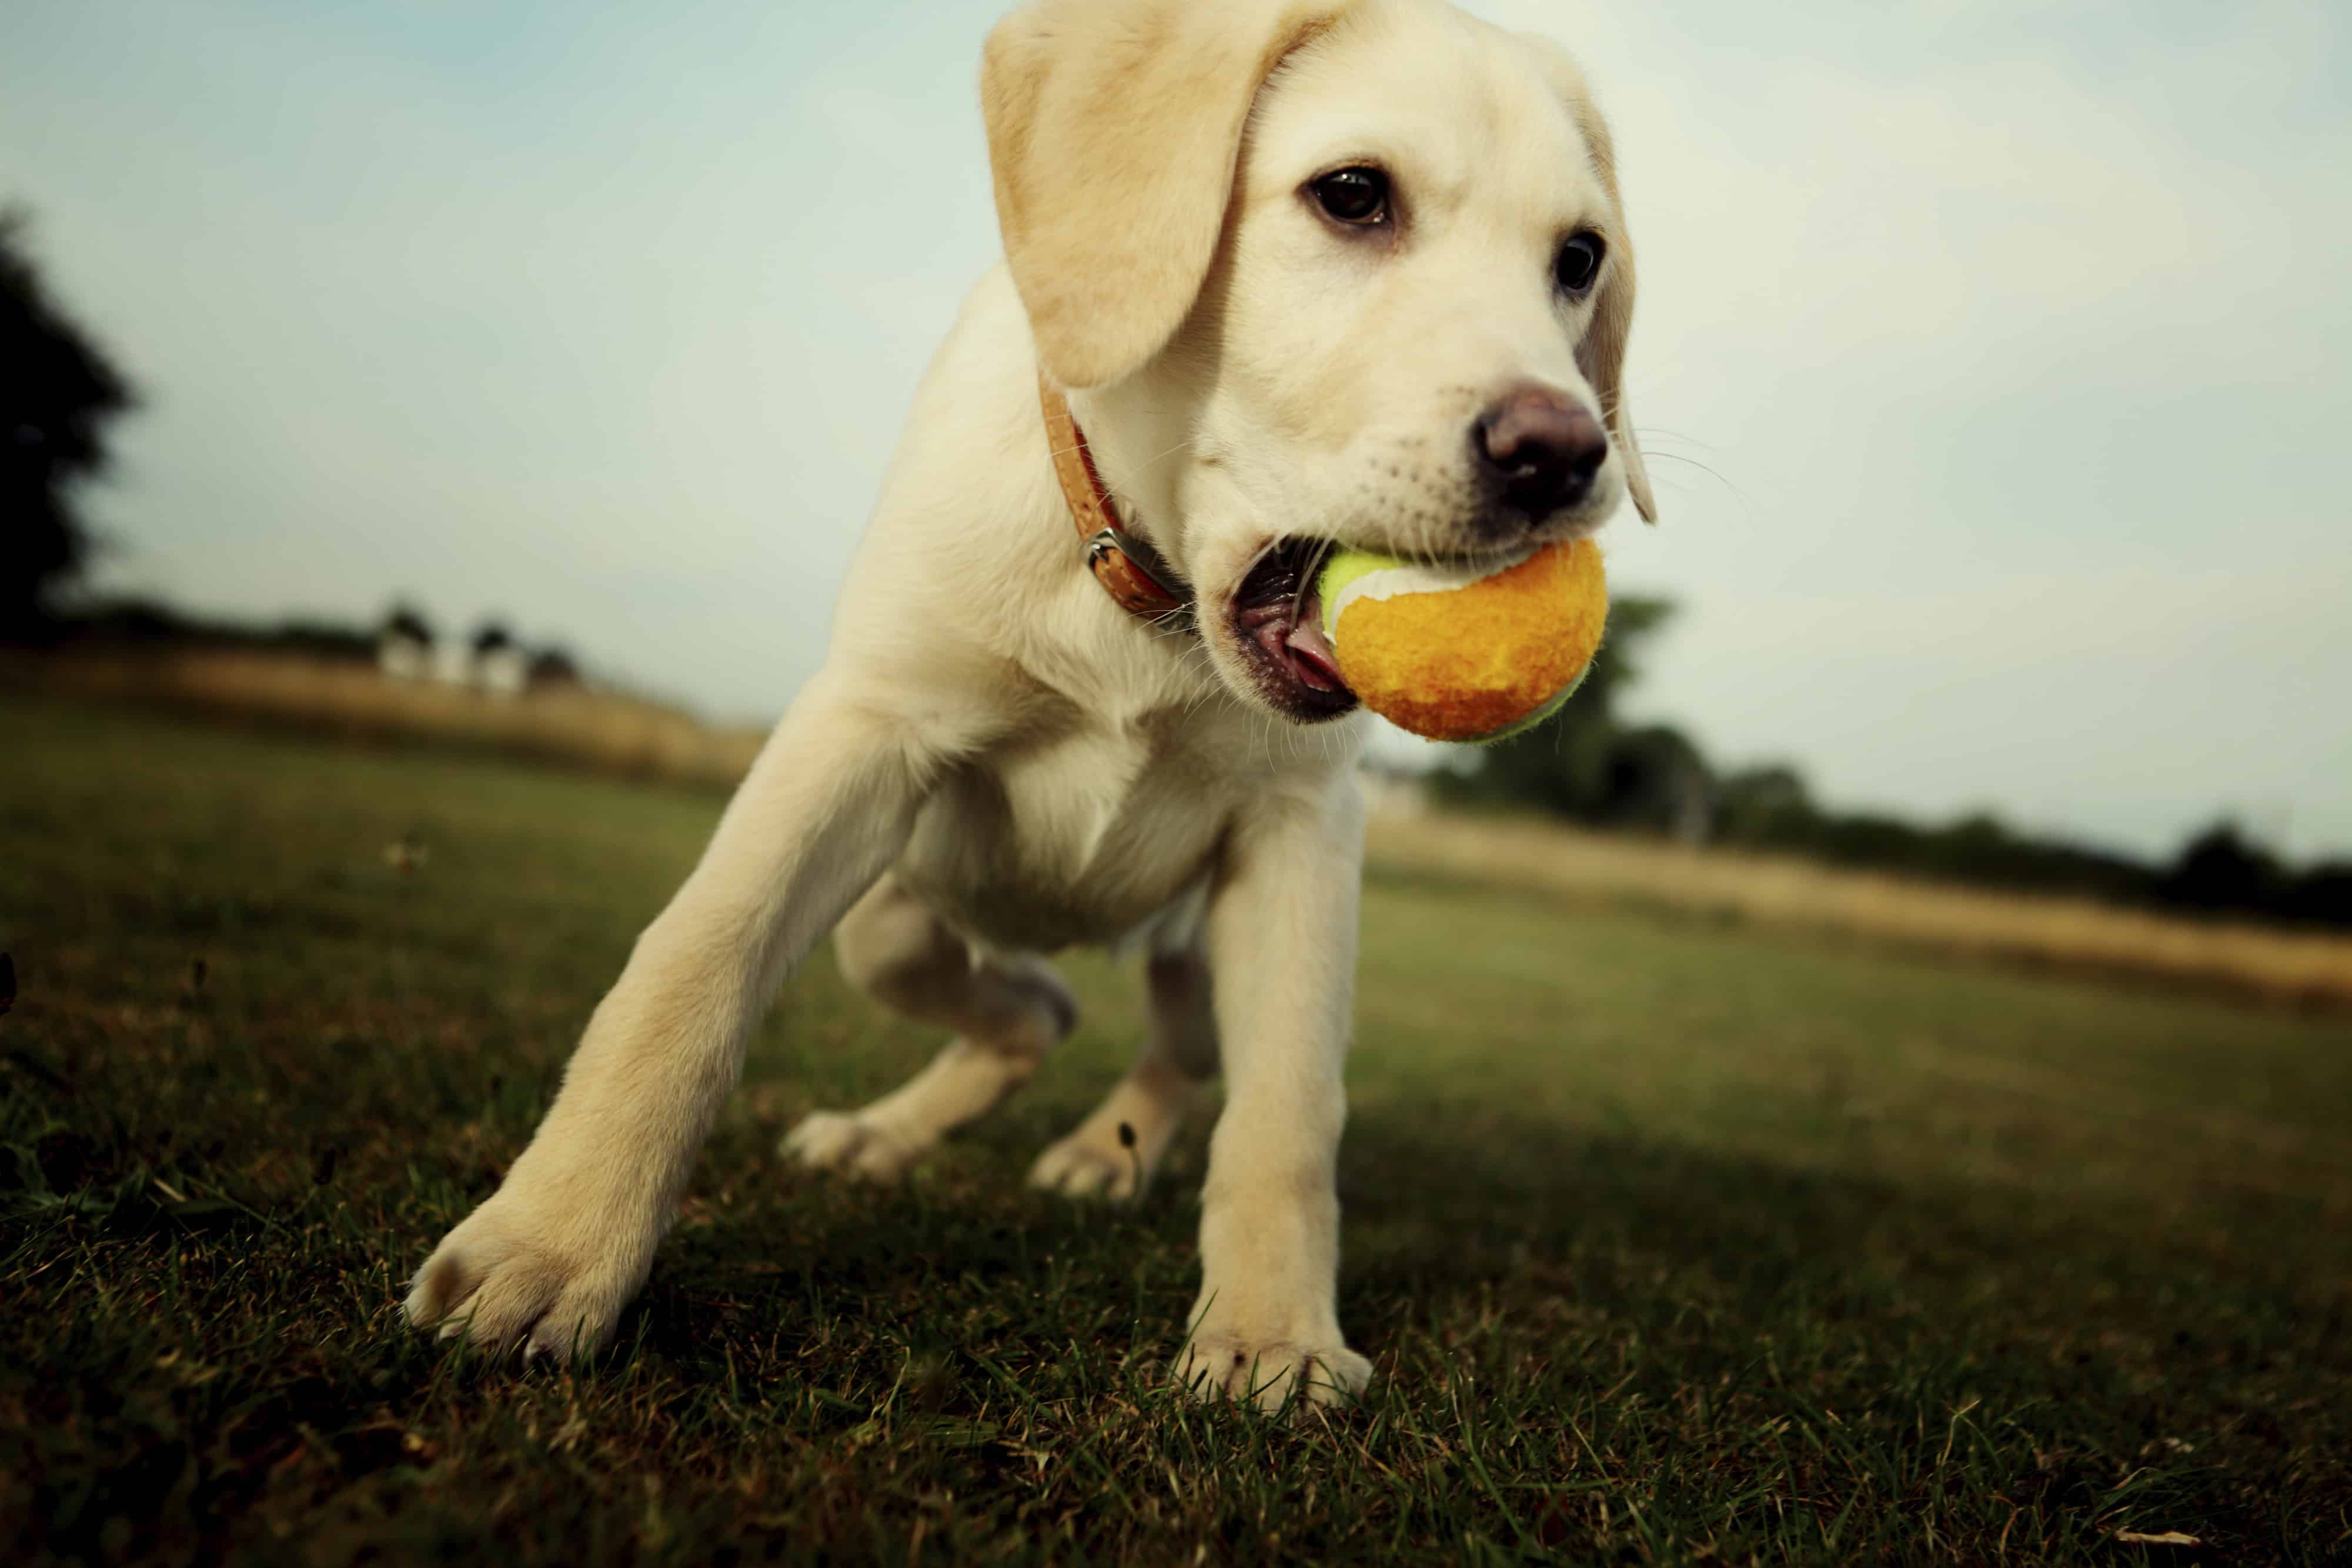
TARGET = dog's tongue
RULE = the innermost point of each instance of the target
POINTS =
(1311, 651)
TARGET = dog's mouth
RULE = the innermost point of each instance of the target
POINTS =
(1277, 617)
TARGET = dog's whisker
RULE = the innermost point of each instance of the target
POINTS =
(1747, 506)
(1649, 432)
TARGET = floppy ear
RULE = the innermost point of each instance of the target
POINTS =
(1113, 128)
(1601, 355)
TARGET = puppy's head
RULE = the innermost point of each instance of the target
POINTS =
(1326, 271)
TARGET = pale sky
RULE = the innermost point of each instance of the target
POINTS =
(1993, 357)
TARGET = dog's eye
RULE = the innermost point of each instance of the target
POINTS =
(1358, 196)
(1580, 262)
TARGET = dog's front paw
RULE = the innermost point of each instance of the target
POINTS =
(553, 1286)
(1268, 1371)
(1087, 1165)
(838, 1141)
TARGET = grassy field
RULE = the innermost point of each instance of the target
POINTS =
(1672, 1239)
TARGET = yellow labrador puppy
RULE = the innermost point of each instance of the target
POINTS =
(1276, 275)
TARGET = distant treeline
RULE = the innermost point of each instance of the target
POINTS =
(1585, 765)
(2222, 870)
(142, 621)
(132, 622)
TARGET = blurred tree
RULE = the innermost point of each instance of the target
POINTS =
(1765, 804)
(1656, 780)
(58, 393)
(405, 620)
(554, 667)
(2322, 894)
(2221, 868)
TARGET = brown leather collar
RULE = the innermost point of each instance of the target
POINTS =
(1129, 570)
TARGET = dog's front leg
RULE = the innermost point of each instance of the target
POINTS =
(551, 1259)
(1282, 950)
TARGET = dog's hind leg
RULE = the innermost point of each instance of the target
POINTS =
(1005, 1015)
(1177, 1058)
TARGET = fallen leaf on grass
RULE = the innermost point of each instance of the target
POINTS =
(2169, 1538)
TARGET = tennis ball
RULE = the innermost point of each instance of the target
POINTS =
(1474, 652)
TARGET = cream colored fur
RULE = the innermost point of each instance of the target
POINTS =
(996, 762)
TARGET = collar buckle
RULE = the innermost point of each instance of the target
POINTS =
(1132, 573)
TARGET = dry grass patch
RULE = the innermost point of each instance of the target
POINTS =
(2074, 934)
(608, 731)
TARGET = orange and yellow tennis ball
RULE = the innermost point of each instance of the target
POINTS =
(1466, 652)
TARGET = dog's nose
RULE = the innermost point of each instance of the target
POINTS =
(1541, 448)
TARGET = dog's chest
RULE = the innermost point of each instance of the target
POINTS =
(1081, 837)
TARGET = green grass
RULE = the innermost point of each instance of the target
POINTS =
(1670, 1240)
